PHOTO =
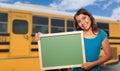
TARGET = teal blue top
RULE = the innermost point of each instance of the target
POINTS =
(92, 49)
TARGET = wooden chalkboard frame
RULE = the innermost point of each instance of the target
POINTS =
(45, 56)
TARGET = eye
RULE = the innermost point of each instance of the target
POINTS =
(78, 21)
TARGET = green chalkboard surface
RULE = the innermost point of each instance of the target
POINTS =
(61, 50)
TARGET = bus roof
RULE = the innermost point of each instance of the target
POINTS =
(45, 9)
(34, 8)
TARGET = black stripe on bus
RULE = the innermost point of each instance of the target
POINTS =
(32, 35)
(114, 37)
(4, 34)
(34, 43)
(4, 43)
(34, 49)
(4, 50)
(14, 58)
(115, 43)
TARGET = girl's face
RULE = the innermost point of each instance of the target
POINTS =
(84, 22)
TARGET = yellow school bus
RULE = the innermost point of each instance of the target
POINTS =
(19, 22)
(111, 26)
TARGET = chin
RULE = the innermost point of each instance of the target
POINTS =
(85, 29)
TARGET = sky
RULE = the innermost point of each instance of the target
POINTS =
(105, 8)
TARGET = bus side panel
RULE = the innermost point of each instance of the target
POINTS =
(20, 64)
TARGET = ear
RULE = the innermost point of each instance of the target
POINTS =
(77, 27)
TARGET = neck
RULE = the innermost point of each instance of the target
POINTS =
(89, 33)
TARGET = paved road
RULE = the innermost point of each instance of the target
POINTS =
(111, 67)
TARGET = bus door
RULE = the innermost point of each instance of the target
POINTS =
(20, 25)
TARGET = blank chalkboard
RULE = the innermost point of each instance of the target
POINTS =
(61, 50)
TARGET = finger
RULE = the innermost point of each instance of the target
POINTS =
(82, 66)
(37, 36)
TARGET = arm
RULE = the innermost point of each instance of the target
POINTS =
(108, 56)
(107, 51)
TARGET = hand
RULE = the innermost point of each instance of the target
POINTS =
(37, 36)
(88, 65)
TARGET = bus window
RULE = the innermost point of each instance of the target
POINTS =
(3, 22)
(70, 25)
(20, 27)
(40, 24)
(57, 25)
(104, 26)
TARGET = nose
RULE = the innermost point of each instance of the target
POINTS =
(82, 22)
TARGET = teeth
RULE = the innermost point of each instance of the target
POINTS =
(84, 24)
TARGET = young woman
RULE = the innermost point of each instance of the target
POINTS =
(94, 39)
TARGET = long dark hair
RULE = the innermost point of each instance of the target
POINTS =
(85, 12)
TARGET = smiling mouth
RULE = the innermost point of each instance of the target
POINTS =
(84, 26)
